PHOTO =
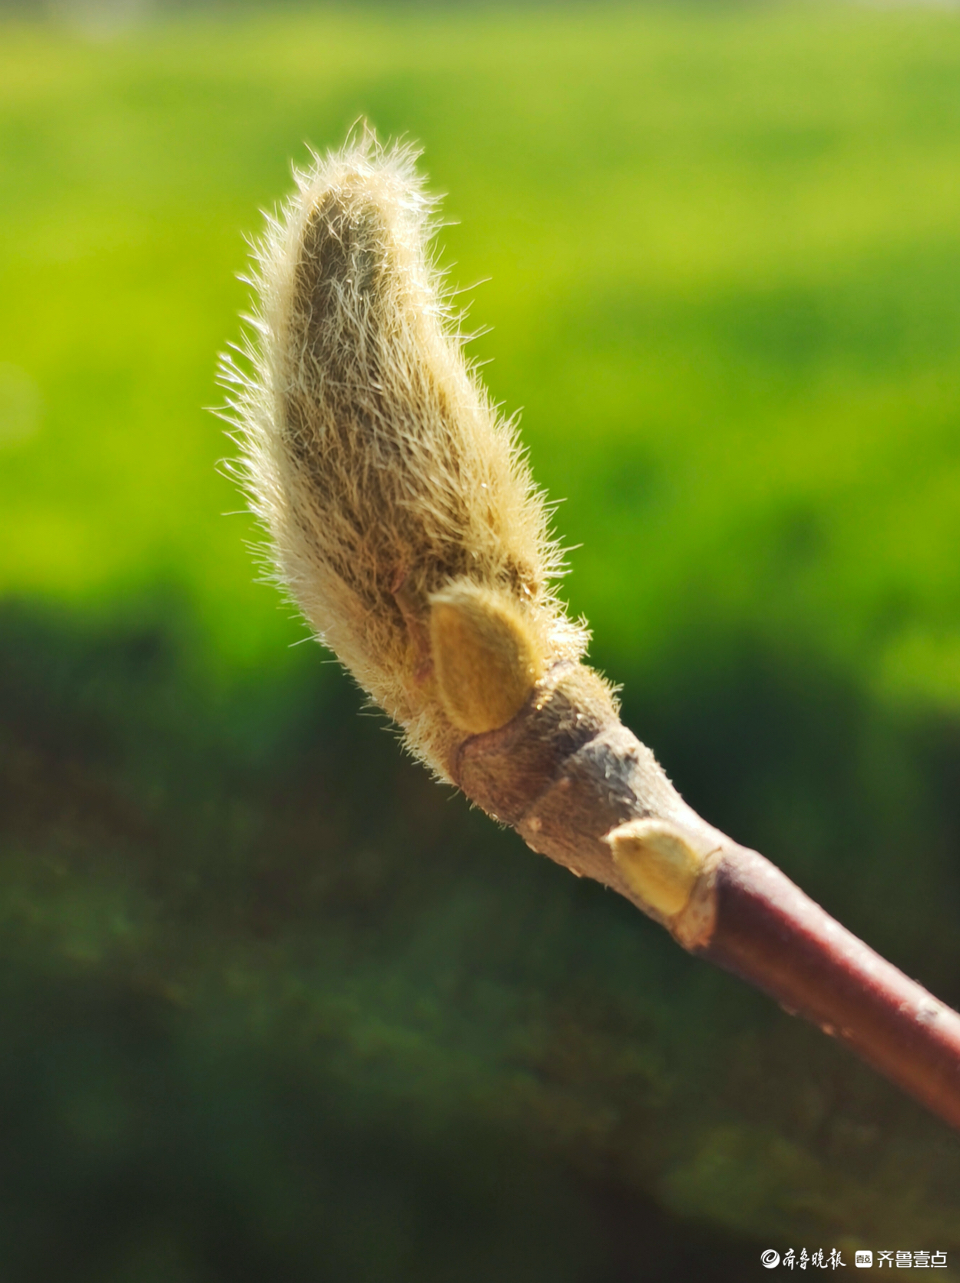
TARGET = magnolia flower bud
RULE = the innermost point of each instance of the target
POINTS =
(400, 511)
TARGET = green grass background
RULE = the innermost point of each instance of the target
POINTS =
(278, 1008)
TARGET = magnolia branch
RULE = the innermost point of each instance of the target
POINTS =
(403, 521)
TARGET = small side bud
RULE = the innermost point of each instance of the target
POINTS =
(658, 863)
(486, 656)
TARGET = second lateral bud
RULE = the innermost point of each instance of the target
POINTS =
(657, 862)
(486, 656)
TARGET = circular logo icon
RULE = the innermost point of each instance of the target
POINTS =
(769, 1259)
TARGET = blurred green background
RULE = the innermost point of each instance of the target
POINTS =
(274, 1006)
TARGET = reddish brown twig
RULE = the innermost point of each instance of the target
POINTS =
(768, 932)
(580, 788)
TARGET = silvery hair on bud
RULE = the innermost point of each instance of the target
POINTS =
(374, 459)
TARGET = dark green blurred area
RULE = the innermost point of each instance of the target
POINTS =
(273, 1005)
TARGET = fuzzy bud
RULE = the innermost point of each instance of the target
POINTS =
(401, 514)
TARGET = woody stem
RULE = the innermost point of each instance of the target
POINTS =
(580, 788)
(768, 932)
